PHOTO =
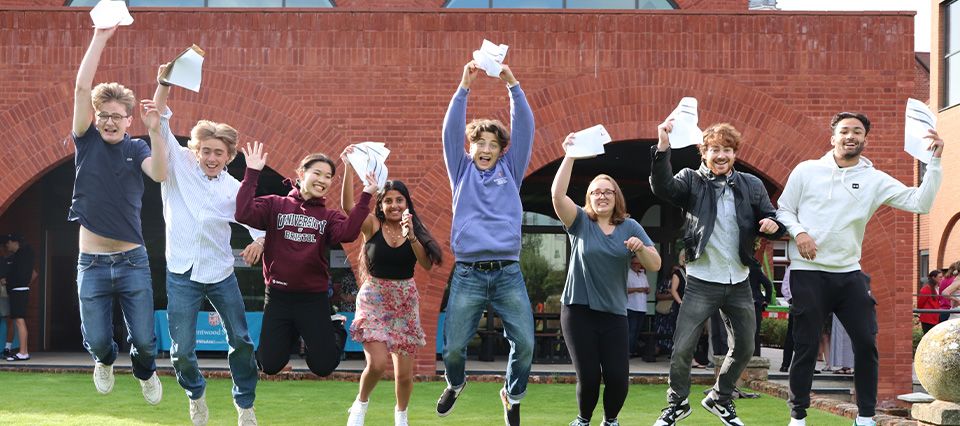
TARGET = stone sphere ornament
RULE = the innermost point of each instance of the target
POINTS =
(937, 361)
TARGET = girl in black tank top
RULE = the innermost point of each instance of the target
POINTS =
(387, 318)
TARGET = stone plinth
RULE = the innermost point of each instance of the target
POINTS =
(940, 413)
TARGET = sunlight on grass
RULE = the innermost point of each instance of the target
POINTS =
(70, 399)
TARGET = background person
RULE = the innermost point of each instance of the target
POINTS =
(19, 274)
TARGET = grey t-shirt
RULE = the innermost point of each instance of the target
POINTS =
(597, 276)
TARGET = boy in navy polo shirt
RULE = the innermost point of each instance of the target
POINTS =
(106, 202)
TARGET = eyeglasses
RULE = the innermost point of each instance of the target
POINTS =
(602, 193)
(104, 117)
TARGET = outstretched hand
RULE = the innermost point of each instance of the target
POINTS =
(663, 131)
(371, 186)
(150, 115)
(507, 75)
(105, 33)
(936, 144)
(255, 156)
(343, 155)
(470, 73)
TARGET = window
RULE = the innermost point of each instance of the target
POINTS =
(923, 261)
(781, 261)
(562, 4)
(212, 3)
(951, 59)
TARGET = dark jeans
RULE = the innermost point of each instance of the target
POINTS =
(597, 343)
(718, 335)
(816, 295)
(700, 300)
(288, 316)
(926, 327)
(636, 319)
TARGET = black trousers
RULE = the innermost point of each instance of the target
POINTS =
(758, 309)
(788, 344)
(816, 295)
(288, 317)
(597, 343)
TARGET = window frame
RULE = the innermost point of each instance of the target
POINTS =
(636, 6)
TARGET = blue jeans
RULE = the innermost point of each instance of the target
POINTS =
(470, 291)
(184, 298)
(127, 276)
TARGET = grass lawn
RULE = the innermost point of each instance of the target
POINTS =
(57, 399)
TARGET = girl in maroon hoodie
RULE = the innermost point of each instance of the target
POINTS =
(299, 230)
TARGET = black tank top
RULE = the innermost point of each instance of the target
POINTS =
(387, 262)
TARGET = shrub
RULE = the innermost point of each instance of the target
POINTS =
(772, 332)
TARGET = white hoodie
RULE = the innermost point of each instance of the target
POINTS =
(833, 206)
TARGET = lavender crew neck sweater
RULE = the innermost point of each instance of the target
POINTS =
(487, 211)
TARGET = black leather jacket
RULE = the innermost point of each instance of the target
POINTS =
(692, 191)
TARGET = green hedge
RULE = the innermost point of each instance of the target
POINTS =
(772, 332)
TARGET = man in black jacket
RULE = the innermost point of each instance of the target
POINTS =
(725, 211)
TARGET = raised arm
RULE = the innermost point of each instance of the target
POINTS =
(251, 210)
(82, 105)
(455, 123)
(346, 193)
(562, 204)
(156, 118)
(664, 184)
(916, 199)
(522, 128)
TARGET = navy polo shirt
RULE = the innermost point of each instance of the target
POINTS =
(108, 190)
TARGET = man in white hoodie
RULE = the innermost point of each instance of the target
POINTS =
(826, 206)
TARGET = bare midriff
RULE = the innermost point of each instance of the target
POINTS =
(93, 243)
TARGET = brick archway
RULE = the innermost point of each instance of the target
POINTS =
(629, 102)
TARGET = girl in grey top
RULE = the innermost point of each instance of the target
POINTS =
(594, 314)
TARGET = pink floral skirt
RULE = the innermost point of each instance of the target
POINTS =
(389, 311)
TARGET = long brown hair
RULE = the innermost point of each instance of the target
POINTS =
(619, 203)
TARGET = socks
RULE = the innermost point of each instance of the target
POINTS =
(865, 421)
(8, 345)
(795, 422)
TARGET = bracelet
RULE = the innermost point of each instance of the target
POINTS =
(258, 241)
(164, 84)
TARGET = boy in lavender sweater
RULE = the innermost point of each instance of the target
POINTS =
(485, 238)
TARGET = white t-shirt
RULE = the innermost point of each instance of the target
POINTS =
(637, 301)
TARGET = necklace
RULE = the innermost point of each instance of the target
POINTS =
(394, 238)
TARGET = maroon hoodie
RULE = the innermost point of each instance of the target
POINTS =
(298, 233)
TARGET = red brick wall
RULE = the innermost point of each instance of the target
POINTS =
(318, 80)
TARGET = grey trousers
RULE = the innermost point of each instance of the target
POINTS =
(702, 299)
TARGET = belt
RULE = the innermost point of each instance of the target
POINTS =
(489, 265)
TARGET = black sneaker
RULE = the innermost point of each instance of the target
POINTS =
(724, 410)
(784, 369)
(448, 399)
(674, 413)
(6, 353)
(511, 412)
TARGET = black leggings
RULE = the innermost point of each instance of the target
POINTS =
(597, 342)
(290, 316)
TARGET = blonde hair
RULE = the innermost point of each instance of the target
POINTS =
(206, 129)
(106, 92)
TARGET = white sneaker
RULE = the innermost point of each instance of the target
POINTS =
(800, 422)
(103, 377)
(198, 411)
(399, 417)
(245, 416)
(152, 389)
(357, 412)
